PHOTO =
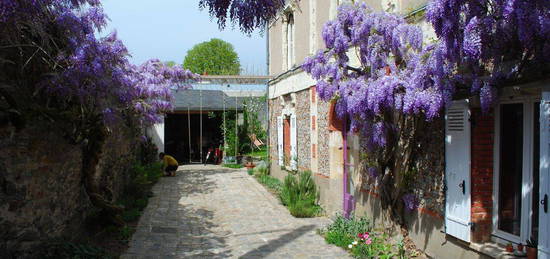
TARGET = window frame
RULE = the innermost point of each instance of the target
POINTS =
(498, 235)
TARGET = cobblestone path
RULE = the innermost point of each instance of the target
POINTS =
(210, 212)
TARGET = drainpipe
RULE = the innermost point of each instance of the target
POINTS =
(347, 198)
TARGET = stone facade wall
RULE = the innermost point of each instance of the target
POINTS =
(274, 109)
(41, 192)
(303, 124)
(428, 183)
(323, 137)
(303, 121)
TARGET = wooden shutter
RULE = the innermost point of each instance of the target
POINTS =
(293, 143)
(544, 194)
(457, 170)
(280, 140)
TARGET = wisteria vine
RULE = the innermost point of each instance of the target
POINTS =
(247, 14)
(493, 41)
(396, 71)
(78, 67)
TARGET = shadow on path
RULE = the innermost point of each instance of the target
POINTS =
(275, 244)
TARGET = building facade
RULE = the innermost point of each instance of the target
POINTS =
(484, 177)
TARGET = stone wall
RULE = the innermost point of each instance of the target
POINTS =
(303, 124)
(323, 137)
(41, 191)
(303, 121)
(428, 183)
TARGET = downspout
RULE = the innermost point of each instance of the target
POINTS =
(268, 122)
(347, 198)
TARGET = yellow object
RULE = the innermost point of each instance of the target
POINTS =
(169, 160)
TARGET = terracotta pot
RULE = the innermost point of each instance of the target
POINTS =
(249, 165)
(532, 252)
(509, 248)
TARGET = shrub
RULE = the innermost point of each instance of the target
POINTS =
(234, 166)
(250, 171)
(355, 235)
(300, 195)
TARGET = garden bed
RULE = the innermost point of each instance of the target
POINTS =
(298, 193)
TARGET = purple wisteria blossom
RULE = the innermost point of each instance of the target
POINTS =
(410, 201)
(397, 71)
(81, 68)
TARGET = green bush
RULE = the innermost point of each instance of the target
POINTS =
(271, 183)
(300, 195)
(344, 232)
(234, 166)
(250, 171)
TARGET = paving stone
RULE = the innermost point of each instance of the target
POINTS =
(213, 212)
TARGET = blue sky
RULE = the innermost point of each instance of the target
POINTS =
(166, 29)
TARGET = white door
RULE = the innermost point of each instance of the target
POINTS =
(280, 139)
(544, 209)
(293, 143)
(457, 170)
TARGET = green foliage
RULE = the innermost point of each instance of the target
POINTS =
(344, 232)
(300, 195)
(250, 171)
(56, 250)
(232, 137)
(130, 215)
(234, 166)
(170, 63)
(214, 57)
(271, 183)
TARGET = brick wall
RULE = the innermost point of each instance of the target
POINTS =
(482, 175)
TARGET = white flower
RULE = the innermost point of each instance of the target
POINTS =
(354, 243)
(350, 246)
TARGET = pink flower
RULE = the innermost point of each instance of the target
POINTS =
(368, 241)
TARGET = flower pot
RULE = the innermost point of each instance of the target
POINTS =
(520, 248)
(532, 252)
(249, 165)
(509, 248)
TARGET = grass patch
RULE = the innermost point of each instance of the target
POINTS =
(234, 166)
(358, 238)
(261, 153)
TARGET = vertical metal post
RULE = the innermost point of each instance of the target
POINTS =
(200, 140)
(189, 131)
(236, 130)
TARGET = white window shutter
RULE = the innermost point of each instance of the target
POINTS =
(457, 170)
(544, 194)
(293, 143)
(280, 139)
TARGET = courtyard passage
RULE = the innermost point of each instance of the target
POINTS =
(213, 212)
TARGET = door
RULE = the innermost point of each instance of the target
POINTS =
(457, 170)
(544, 176)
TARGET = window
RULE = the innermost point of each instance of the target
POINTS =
(289, 40)
(517, 157)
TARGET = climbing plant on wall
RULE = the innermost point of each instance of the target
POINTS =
(388, 80)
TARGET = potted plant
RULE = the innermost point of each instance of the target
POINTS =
(249, 163)
(509, 248)
(520, 247)
(532, 248)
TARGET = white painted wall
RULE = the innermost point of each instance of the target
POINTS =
(156, 133)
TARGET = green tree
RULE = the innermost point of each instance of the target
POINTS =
(170, 63)
(214, 57)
